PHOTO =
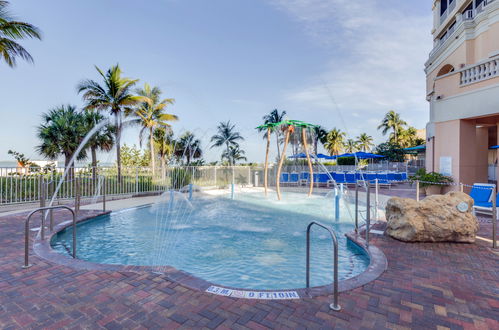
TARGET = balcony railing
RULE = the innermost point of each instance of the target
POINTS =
(480, 72)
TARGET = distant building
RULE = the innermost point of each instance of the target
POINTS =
(463, 90)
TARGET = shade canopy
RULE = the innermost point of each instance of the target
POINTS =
(303, 155)
(360, 155)
(494, 147)
(421, 147)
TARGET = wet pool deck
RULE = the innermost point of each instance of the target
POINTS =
(426, 286)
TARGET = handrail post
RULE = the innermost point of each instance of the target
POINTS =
(417, 190)
(376, 200)
(368, 212)
(77, 195)
(334, 306)
(494, 217)
(26, 230)
(356, 207)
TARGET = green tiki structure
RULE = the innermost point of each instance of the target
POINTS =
(288, 127)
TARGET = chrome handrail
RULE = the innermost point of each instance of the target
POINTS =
(42, 228)
(334, 306)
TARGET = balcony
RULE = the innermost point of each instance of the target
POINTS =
(480, 72)
(449, 10)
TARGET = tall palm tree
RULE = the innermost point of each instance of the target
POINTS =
(150, 114)
(351, 146)
(188, 146)
(320, 135)
(365, 142)
(11, 31)
(226, 135)
(102, 140)
(392, 121)
(274, 117)
(163, 145)
(61, 132)
(334, 141)
(115, 96)
(234, 154)
(407, 137)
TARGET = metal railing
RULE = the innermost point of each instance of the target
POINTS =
(42, 229)
(334, 306)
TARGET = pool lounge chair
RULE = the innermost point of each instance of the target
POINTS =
(339, 177)
(383, 180)
(294, 178)
(482, 197)
(284, 177)
(304, 178)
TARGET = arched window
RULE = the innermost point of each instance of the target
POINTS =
(445, 70)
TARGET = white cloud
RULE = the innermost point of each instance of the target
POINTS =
(376, 63)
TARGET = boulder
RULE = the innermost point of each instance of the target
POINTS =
(437, 218)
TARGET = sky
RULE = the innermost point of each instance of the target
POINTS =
(337, 63)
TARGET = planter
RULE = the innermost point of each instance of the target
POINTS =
(433, 190)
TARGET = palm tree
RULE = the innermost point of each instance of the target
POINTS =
(274, 117)
(61, 132)
(188, 146)
(319, 136)
(150, 115)
(351, 146)
(334, 141)
(102, 140)
(163, 145)
(11, 31)
(365, 142)
(407, 137)
(114, 96)
(233, 154)
(392, 121)
(226, 136)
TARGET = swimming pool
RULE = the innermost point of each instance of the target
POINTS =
(251, 242)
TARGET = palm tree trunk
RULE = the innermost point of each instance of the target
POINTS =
(310, 169)
(151, 145)
(266, 166)
(94, 163)
(163, 167)
(281, 161)
(118, 144)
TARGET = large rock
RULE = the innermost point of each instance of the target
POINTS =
(434, 219)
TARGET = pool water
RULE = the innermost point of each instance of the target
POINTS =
(251, 242)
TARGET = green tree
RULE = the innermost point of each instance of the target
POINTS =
(392, 152)
(163, 145)
(61, 132)
(351, 146)
(334, 142)
(365, 142)
(134, 156)
(226, 135)
(188, 147)
(274, 117)
(320, 135)
(392, 121)
(11, 31)
(102, 140)
(114, 96)
(407, 137)
(150, 114)
(233, 155)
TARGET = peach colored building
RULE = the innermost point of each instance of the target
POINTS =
(462, 76)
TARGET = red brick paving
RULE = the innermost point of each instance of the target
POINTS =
(426, 286)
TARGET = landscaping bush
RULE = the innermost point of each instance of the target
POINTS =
(346, 161)
(180, 178)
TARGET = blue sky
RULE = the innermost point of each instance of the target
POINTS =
(338, 63)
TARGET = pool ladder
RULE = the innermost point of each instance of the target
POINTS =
(42, 229)
(334, 306)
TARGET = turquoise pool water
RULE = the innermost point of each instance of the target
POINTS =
(251, 242)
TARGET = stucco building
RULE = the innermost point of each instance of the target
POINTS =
(463, 90)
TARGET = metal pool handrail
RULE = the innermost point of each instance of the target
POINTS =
(42, 228)
(334, 306)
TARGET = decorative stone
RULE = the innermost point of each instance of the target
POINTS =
(437, 218)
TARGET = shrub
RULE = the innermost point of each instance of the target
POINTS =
(346, 161)
(431, 178)
(179, 178)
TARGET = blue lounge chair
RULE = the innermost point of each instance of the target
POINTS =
(403, 176)
(371, 177)
(383, 179)
(350, 178)
(304, 178)
(294, 178)
(322, 179)
(481, 194)
(284, 177)
(339, 177)
(392, 177)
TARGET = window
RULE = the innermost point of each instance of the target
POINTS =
(445, 70)
(443, 7)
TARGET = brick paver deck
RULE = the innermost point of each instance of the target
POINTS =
(427, 286)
